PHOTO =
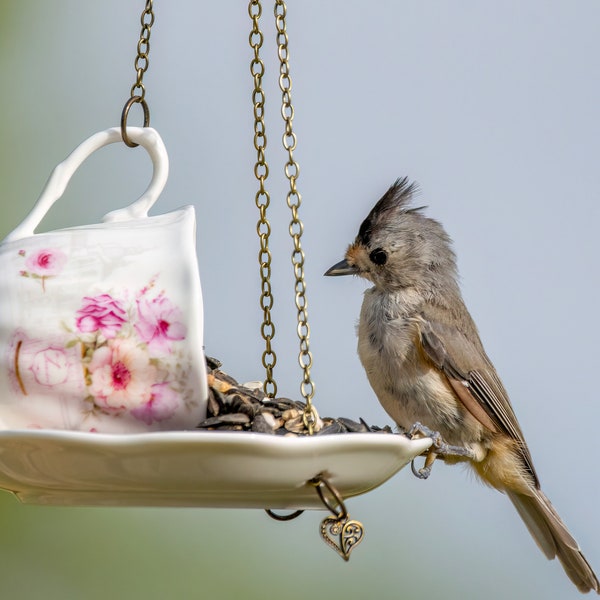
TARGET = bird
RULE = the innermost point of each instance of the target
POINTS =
(425, 361)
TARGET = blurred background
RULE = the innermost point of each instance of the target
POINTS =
(491, 107)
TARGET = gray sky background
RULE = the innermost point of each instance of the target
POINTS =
(491, 107)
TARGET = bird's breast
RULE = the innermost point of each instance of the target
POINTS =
(408, 386)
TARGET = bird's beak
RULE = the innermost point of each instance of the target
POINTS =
(341, 268)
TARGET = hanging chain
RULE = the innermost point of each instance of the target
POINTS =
(262, 199)
(338, 530)
(138, 91)
(296, 227)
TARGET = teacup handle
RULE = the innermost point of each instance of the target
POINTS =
(62, 173)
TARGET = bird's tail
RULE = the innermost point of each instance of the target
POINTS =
(554, 539)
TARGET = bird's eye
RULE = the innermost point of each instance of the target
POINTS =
(378, 256)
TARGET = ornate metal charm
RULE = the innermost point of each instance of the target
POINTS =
(342, 534)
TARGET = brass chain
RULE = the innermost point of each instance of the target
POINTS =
(296, 227)
(262, 198)
(143, 49)
(338, 531)
(138, 91)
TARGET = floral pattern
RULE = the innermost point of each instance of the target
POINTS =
(101, 314)
(120, 375)
(122, 353)
(159, 323)
(39, 365)
(43, 264)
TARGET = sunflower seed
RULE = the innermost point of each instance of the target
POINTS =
(213, 363)
(230, 419)
(295, 425)
(260, 424)
(235, 407)
(353, 426)
(291, 413)
(334, 427)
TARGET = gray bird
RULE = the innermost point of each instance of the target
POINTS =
(423, 357)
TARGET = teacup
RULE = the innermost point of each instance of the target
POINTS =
(101, 326)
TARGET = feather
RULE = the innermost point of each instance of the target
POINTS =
(397, 197)
(554, 539)
(481, 391)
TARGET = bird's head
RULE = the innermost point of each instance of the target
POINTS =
(398, 247)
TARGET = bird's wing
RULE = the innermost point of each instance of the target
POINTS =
(474, 380)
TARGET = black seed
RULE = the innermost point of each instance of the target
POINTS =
(353, 426)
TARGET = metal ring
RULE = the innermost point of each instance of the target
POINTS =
(289, 517)
(320, 481)
(133, 100)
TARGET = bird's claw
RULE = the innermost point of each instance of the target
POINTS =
(420, 430)
(422, 473)
(438, 448)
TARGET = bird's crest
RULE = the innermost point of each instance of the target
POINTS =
(397, 198)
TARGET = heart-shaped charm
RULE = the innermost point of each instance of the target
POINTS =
(342, 534)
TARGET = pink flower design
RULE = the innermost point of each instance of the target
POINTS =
(39, 366)
(121, 375)
(119, 360)
(46, 262)
(50, 366)
(101, 313)
(159, 323)
(43, 264)
(162, 404)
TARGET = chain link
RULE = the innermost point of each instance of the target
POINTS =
(138, 91)
(296, 227)
(262, 198)
(143, 49)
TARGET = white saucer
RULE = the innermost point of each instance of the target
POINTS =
(194, 468)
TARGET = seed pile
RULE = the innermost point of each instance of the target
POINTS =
(235, 407)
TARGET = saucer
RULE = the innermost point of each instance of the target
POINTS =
(195, 468)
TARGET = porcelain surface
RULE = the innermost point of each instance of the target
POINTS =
(101, 326)
(193, 468)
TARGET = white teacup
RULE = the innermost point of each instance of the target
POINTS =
(101, 326)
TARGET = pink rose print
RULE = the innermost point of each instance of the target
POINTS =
(39, 366)
(44, 263)
(162, 404)
(115, 358)
(101, 313)
(47, 262)
(50, 366)
(121, 375)
(159, 323)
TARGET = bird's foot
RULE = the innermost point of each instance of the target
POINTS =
(439, 449)
(425, 471)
